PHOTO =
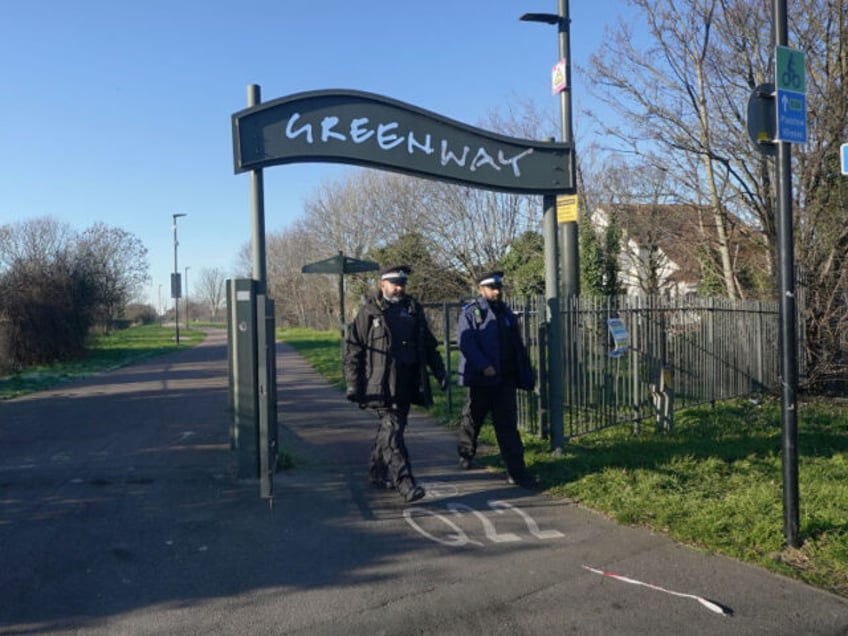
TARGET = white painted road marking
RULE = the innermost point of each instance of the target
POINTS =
(457, 537)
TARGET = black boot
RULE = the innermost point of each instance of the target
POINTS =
(409, 490)
(416, 493)
(526, 481)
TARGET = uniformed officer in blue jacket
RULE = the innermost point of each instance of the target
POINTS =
(493, 363)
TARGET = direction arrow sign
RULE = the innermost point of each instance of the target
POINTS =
(791, 110)
(340, 265)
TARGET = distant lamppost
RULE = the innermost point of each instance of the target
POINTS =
(187, 267)
(176, 287)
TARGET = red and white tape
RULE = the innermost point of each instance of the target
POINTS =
(710, 605)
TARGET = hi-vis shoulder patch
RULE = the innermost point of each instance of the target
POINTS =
(478, 314)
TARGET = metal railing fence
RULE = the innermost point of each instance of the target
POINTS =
(680, 353)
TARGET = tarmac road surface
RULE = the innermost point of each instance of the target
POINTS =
(120, 513)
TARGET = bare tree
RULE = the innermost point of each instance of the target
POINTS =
(664, 92)
(303, 299)
(56, 284)
(117, 260)
(353, 215)
(35, 243)
(821, 197)
(683, 97)
(210, 289)
(471, 229)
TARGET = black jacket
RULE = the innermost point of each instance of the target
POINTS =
(370, 368)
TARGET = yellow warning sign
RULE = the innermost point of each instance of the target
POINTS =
(566, 207)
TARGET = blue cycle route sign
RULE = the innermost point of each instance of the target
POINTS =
(791, 98)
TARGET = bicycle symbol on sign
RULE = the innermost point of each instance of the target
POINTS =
(790, 77)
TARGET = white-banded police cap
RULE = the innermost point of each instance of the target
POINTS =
(491, 279)
(397, 274)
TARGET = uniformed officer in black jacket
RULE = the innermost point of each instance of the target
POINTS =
(493, 362)
(387, 351)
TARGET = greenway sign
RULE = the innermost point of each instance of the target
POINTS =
(373, 131)
(365, 129)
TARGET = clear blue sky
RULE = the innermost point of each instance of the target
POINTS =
(119, 111)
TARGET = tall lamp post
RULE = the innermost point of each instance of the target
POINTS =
(187, 267)
(176, 287)
(570, 253)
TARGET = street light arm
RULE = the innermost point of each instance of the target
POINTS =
(547, 18)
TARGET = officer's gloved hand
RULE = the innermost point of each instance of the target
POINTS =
(443, 383)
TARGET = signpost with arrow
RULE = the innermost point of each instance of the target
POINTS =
(790, 78)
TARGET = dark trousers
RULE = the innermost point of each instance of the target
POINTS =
(389, 457)
(499, 401)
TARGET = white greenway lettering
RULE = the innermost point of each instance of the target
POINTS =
(358, 132)
(387, 136)
(413, 143)
(306, 129)
(327, 125)
(388, 140)
(457, 539)
(483, 158)
(491, 534)
(448, 155)
(532, 526)
(513, 161)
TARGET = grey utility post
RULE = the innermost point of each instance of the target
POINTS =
(788, 322)
(568, 230)
(241, 341)
(253, 344)
(570, 248)
(776, 118)
(555, 384)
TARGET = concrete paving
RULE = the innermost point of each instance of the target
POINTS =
(120, 513)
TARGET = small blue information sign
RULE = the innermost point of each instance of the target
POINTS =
(843, 152)
(791, 110)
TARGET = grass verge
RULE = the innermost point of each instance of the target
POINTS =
(105, 352)
(714, 483)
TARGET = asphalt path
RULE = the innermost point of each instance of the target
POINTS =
(120, 513)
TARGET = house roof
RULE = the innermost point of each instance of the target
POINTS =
(682, 232)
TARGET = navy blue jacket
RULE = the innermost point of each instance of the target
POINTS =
(479, 346)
